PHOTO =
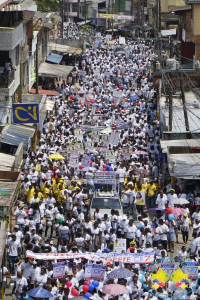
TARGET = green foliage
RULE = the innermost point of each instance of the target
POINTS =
(47, 5)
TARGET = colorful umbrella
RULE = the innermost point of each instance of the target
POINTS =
(114, 289)
(56, 157)
(120, 273)
(177, 211)
(39, 293)
(181, 201)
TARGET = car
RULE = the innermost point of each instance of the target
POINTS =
(105, 201)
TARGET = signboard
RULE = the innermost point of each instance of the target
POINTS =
(74, 161)
(114, 138)
(168, 267)
(168, 32)
(59, 270)
(192, 274)
(120, 245)
(122, 40)
(85, 162)
(93, 271)
(26, 113)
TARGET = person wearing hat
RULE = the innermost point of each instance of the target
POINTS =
(18, 233)
(171, 197)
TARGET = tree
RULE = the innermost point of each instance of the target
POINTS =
(47, 5)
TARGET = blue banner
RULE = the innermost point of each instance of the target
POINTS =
(25, 113)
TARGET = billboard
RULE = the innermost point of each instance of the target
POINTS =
(25, 113)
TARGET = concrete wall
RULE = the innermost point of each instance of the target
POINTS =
(10, 38)
(18, 157)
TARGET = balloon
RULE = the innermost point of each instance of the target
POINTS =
(74, 292)
(104, 169)
(171, 217)
(169, 210)
(98, 109)
(110, 169)
(91, 287)
(85, 288)
(126, 100)
(126, 106)
(124, 85)
(86, 283)
(80, 167)
(87, 295)
(71, 97)
(115, 87)
(95, 283)
(93, 104)
(107, 167)
(100, 105)
(91, 101)
(68, 284)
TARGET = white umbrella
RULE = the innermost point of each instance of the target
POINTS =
(181, 201)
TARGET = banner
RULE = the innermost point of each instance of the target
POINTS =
(74, 161)
(59, 270)
(115, 17)
(94, 272)
(191, 271)
(134, 258)
(26, 113)
(168, 267)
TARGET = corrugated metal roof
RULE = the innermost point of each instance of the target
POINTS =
(54, 58)
(15, 134)
(50, 70)
(184, 165)
(165, 144)
(64, 48)
(6, 161)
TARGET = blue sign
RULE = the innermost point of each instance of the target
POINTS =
(93, 21)
(25, 113)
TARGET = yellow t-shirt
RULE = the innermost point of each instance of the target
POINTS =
(30, 194)
(151, 188)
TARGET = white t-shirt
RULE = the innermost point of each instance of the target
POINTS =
(20, 214)
(20, 283)
(13, 247)
(182, 255)
(130, 231)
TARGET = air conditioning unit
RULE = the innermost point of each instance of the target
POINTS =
(197, 65)
(171, 64)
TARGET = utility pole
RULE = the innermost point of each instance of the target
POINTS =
(169, 92)
(62, 18)
(36, 69)
(85, 11)
(183, 100)
(67, 18)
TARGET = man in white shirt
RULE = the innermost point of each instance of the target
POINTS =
(161, 201)
(20, 214)
(129, 232)
(121, 173)
(14, 251)
(165, 230)
(21, 282)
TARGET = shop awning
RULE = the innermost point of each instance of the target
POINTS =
(44, 92)
(49, 70)
(65, 48)
(54, 58)
(15, 134)
(21, 6)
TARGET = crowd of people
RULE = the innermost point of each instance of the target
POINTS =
(109, 93)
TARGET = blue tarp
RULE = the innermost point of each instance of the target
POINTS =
(54, 58)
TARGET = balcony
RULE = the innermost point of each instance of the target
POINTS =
(10, 37)
(9, 83)
(6, 79)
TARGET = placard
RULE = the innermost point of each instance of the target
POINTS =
(93, 271)
(85, 162)
(59, 270)
(120, 245)
(74, 161)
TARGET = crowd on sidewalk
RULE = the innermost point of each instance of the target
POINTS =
(109, 92)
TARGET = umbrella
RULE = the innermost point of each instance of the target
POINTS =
(181, 201)
(177, 211)
(120, 273)
(78, 298)
(114, 289)
(39, 293)
(139, 152)
(56, 157)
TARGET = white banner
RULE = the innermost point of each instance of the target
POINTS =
(59, 270)
(94, 272)
(134, 258)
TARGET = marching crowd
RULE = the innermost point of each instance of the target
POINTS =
(109, 92)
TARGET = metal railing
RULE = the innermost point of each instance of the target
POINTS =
(6, 79)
